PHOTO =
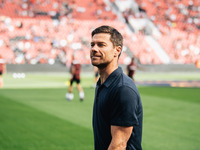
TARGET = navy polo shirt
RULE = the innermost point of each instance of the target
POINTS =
(117, 102)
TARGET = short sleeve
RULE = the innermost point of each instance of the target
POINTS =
(124, 107)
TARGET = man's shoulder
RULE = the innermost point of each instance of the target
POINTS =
(126, 82)
(118, 79)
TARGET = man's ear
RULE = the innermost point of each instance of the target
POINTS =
(117, 51)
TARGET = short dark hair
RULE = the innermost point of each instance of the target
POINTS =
(116, 38)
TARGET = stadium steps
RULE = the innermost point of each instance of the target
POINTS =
(158, 49)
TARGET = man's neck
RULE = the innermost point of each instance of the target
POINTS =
(105, 72)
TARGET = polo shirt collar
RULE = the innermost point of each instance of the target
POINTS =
(111, 77)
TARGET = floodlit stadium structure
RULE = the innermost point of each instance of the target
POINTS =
(50, 31)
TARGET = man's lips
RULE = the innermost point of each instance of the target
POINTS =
(93, 57)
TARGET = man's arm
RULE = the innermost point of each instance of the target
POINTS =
(120, 137)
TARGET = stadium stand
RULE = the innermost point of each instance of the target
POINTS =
(178, 22)
(50, 31)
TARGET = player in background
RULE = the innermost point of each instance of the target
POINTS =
(131, 68)
(96, 76)
(2, 70)
(75, 71)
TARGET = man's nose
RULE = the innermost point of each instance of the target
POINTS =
(94, 48)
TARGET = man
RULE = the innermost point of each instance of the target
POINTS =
(131, 68)
(117, 110)
(75, 72)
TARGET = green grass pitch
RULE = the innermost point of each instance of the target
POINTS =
(34, 114)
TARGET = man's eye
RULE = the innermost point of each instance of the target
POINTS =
(100, 45)
(92, 44)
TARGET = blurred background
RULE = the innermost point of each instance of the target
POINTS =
(156, 32)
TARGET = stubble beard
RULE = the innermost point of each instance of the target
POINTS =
(99, 65)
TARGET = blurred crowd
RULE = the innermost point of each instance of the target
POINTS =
(179, 23)
(50, 31)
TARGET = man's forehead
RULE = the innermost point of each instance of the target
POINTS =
(101, 37)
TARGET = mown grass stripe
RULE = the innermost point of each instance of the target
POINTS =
(23, 128)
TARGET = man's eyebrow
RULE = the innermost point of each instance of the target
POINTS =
(98, 42)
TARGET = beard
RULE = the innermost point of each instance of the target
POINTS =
(100, 64)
